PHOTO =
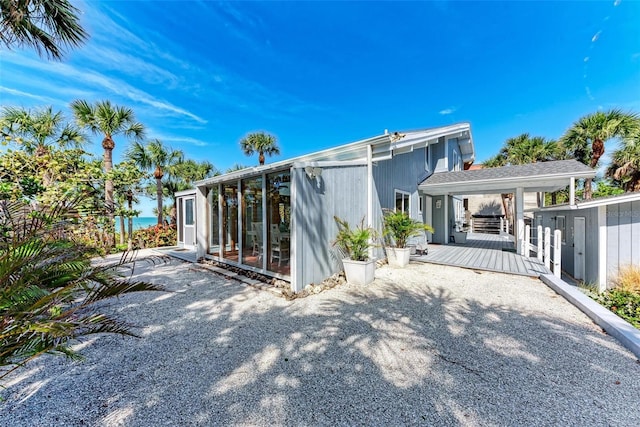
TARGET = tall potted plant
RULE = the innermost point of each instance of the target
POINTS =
(354, 245)
(398, 228)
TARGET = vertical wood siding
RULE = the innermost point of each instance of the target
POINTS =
(340, 191)
(623, 236)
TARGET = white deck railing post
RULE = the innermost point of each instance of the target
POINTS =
(471, 225)
(547, 247)
(539, 241)
(501, 225)
(557, 252)
(527, 241)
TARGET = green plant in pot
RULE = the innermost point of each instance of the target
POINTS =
(399, 227)
(354, 243)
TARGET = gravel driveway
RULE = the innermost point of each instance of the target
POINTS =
(428, 345)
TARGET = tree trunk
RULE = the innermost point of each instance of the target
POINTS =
(122, 229)
(108, 145)
(130, 221)
(587, 188)
(261, 158)
(159, 196)
(554, 198)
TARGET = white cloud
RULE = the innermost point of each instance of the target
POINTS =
(447, 111)
(39, 98)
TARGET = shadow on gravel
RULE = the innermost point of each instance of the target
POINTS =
(218, 353)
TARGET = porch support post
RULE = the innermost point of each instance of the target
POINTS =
(572, 191)
(202, 228)
(519, 231)
(446, 218)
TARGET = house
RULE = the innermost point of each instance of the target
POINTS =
(598, 236)
(278, 219)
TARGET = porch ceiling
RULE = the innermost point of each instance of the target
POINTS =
(533, 177)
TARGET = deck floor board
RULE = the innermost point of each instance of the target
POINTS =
(484, 252)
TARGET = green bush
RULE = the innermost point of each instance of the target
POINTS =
(156, 236)
(624, 303)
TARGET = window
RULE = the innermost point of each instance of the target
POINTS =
(188, 212)
(561, 225)
(427, 165)
(420, 206)
(456, 162)
(402, 201)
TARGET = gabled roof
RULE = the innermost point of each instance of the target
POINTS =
(541, 176)
(383, 147)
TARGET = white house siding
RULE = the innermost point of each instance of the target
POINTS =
(623, 236)
(339, 191)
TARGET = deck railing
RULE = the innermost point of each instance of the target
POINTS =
(548, 247)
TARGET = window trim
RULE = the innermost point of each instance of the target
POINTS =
(563, 229)
(406, 209)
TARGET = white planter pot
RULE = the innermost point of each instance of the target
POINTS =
(460, 236)
(359, 272)
(398, 257)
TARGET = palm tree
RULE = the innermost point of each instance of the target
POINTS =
(261, 143)
(108, 120)
(156, 157)
(587, 136)
(625, 164)
(37, 131)
(45, 25)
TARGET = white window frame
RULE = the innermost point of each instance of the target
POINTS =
(404, 208)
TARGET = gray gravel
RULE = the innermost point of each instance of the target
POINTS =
(428, 345)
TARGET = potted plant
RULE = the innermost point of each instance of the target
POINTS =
(354, 245)
(398, 228)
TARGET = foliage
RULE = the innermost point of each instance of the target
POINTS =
(37, 131)
(354, 243)
(625, 164)
(236, 167)
(525, 149)
(45, 25)
(586, 138)
(624, 303)
(261, 143)
(156, 157)
(628, 279)
(103, 118)
(50, 288)
(399, 227)
(156, 236)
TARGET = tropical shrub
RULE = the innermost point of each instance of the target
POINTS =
(399, 227)
(354, 243)
(624, 303)
(49, 288)
(156, 236)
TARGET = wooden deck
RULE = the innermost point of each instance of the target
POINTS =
(488, 252)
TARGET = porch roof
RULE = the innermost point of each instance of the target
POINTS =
(533, 177)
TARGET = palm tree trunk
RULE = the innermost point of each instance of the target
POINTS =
(587, 189)
(159, 197)
(108, 189)
(261, 158)
(122, 229)
(130, 221)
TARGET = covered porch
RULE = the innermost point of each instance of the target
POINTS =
(538, 177)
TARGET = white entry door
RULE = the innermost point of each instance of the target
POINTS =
(189, 224)
(578, 247)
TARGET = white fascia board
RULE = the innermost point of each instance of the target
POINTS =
(498, 184)
(351, 148)
(422, 138)
(188, 192)
(624, 198)
(330, 163)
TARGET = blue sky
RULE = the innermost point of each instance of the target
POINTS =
(201, 74)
